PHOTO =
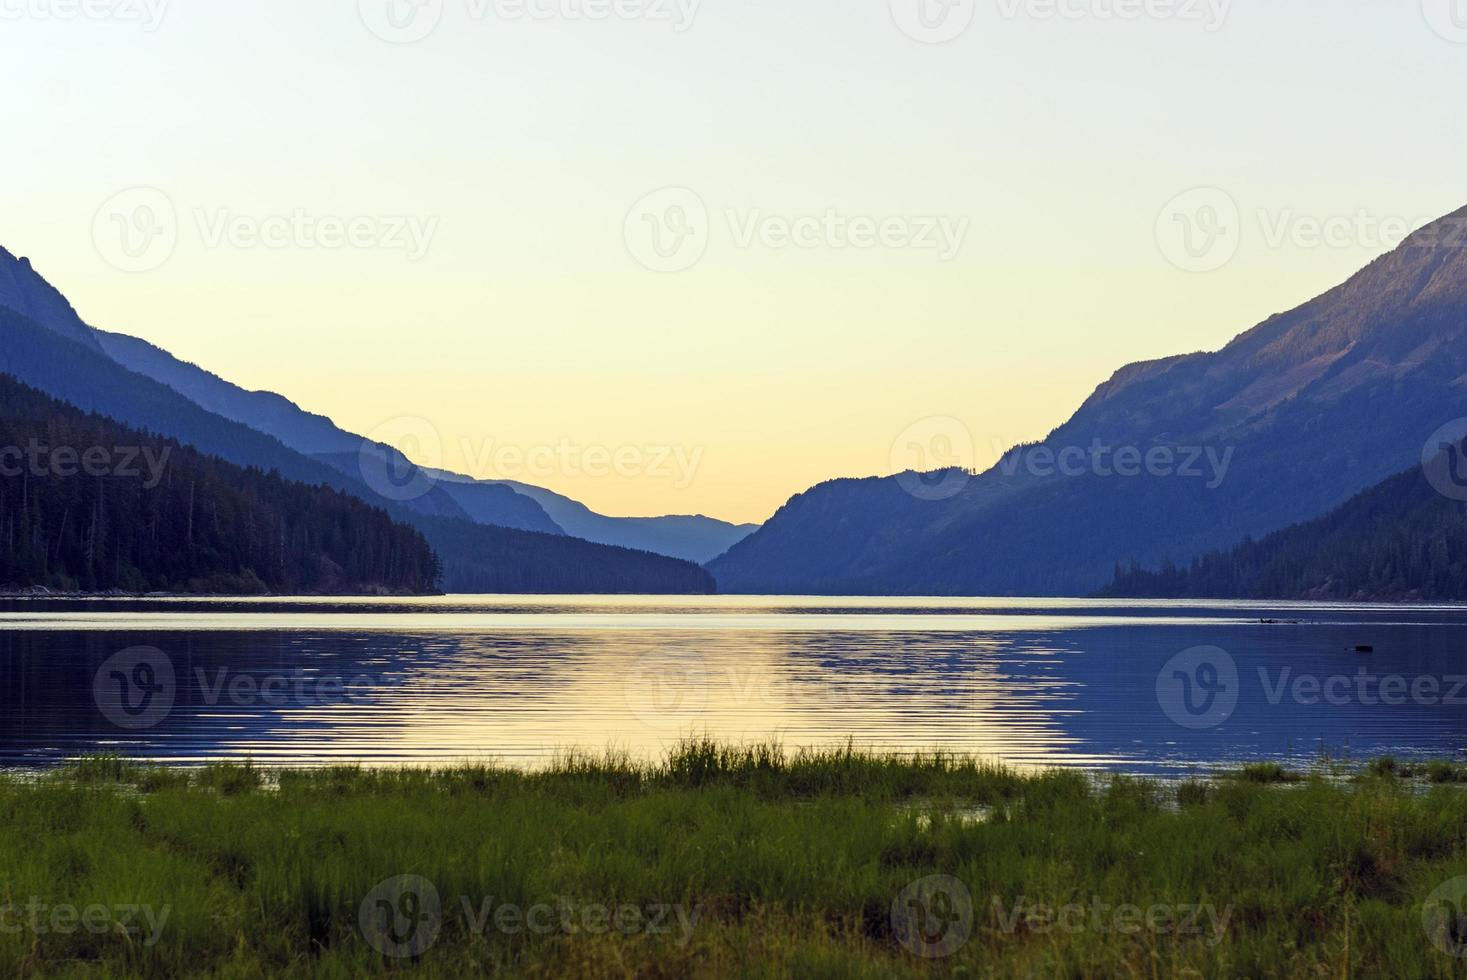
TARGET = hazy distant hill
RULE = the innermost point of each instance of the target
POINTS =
(1398, 540)
(696, 538)
(1308, 408)
(152, 515)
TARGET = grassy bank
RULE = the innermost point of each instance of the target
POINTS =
(728, 862)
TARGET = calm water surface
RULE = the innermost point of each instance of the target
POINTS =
(1119, 685)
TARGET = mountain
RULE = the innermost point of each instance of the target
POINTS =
(483, 503)
(475, 557)
(1166, 460)
(88, 504)
(266, 412)
(1399, 540)
(25, 291)
(501, 502)
(695, 538)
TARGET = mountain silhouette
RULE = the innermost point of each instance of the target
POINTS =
(1298, 414)
(474, 557)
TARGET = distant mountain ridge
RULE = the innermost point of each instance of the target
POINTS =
(1309, 408)
(475, 557)
(693, 538)
(500, 503)
(504, 503)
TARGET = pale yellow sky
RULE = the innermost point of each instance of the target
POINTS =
(1019, 186)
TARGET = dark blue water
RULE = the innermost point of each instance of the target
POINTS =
(1156, 687)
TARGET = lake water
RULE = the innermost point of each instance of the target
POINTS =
(1144, 687)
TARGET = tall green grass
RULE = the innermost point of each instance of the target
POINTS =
(791, 862)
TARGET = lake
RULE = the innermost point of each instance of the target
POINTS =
(1146, 687)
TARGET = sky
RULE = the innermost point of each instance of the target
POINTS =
(670, 256)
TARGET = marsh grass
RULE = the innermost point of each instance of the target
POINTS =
(792, 861)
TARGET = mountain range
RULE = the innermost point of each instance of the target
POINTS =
(1285, 423)
(50, 355)
(503, 503)
(1167, 461)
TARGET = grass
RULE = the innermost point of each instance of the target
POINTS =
(726, 862)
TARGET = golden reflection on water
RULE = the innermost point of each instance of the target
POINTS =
(521, 680)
